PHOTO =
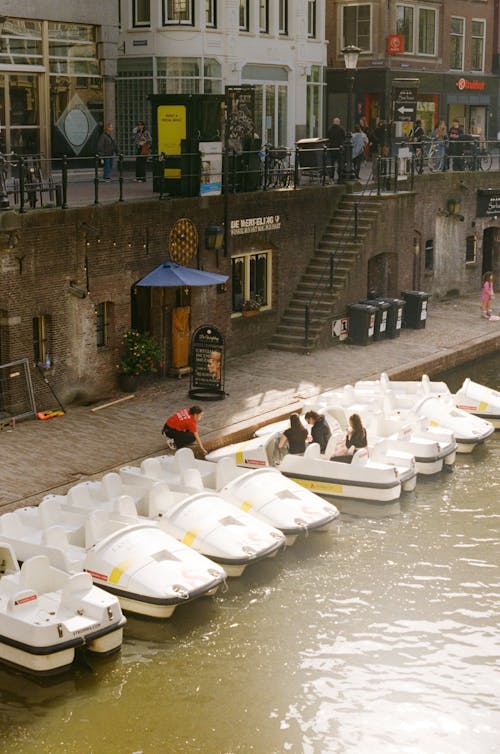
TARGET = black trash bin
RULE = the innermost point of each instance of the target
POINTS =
(395, 315)
(361, 323)
(416, 309)
(382, 306)
(312, 158)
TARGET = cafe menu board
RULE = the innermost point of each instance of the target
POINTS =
(207, 364)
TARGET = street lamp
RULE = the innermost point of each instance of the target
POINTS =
(351, 54)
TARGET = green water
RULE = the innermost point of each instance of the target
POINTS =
(380, 636)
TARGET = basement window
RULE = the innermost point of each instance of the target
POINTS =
(429, 256)
(103, 320)
(40, 339)
(471, 250)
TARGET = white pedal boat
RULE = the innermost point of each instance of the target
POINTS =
(203, 521)
(363, 479)
(148, 571)
(46, 614)
(432, 447)
(472, 397)
(379, 451)
(263, 493)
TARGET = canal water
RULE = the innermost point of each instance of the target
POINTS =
(381, 636)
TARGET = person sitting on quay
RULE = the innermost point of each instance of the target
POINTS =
(295, 436)
(181, 429)
(320, 431)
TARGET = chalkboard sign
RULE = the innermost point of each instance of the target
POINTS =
(207, 364)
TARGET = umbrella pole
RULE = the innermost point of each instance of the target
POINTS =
(164, 332)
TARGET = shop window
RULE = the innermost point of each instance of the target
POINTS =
(264, 16)
(103, 313)
(141, 12)
(356, 26)
(178, 12)
(429, 256)
(283, 17)
(311, 19)
(251, 279)
(457, 31)
(211, 14)
(40, 339)
(244, 15)
(418, 27)
(470, 250)
(477, 48)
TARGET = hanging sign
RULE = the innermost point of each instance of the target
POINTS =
(207, 364)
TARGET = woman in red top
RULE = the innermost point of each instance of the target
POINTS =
(181, 428)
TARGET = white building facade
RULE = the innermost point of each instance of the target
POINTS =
(201, 46)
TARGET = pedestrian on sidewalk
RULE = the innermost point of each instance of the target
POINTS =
(359, 142)
(142, 147)
(181, 429)
(106, 148)
(320, 431)
(487, 294)
(336, 139)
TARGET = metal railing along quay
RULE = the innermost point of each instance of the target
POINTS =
(31, 181)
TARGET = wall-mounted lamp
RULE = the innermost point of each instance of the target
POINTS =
(214, 239)
(453, 209)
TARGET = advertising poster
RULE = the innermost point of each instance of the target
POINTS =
(171, 131)
(211, 167)
(207, 364)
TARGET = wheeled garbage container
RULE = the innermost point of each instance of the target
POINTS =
(312, 158)
(416, 309)
(382, 308)
(361, 323)
(395, 315)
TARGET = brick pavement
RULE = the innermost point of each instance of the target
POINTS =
(41, 456)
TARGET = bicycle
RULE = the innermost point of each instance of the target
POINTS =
(436, 156)
(278, 173)
(475, 156)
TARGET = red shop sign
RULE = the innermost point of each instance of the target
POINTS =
(395, 44)
(468, 84)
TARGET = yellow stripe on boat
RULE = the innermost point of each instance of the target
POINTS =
(316, 486)
(246, 506)
(119, 570)
(189, 538)
(240, 457)
(482, 406)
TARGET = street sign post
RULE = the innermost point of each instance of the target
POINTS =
(404, 103)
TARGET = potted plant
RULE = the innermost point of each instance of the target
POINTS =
(251, 306)
(140, 354)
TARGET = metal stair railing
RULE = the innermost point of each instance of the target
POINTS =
(326, 279)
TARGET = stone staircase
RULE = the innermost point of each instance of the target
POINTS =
(339, 239)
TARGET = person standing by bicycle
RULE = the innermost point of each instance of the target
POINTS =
(416, 137)
(455, 145)
(440, 137)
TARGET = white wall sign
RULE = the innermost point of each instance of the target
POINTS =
(255, 224)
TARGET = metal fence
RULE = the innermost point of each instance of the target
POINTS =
(31, 181)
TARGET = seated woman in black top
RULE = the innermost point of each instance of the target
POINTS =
(296, 436)
(354, 439)
(320, 431)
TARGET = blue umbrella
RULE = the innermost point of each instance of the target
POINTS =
(170, 274)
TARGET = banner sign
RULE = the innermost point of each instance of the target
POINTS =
(488, 203)
(207, 364)
(211, 167)
(240, 115)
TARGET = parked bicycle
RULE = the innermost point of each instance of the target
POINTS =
(277, 170)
